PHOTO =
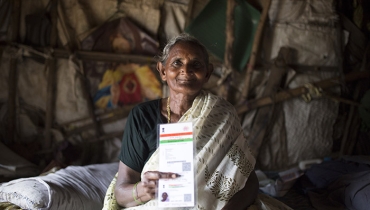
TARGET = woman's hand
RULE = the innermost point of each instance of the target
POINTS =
(246, 196)
(129, 194)
(150, 179)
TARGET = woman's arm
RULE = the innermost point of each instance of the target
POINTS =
(246, 196)
(145, 189)
(126, 180)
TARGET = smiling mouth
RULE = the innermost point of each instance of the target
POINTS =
(185, 81)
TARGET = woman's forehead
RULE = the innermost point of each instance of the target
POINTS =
(186, 48)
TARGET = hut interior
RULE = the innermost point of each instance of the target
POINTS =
(296, 71)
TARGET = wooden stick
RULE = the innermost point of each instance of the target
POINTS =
(229, 32)
(104, 121)
(228, 55)
(353, 111)
(54, 28)
(51, 82)
(189, 13)
(90, 106)
(264, 115)
(84, 55)
(291, 93)
(50, 101)
(255, 47)
(104, 56)
(13, 77)
(105, 137)
(12, 97)
(353, 137)
(118, 111)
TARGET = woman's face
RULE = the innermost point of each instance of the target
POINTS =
(185, 69)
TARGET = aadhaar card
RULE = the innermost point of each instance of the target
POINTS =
(176, 154)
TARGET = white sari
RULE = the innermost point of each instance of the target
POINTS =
(223, 158)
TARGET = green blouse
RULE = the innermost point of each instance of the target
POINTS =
(140, 135)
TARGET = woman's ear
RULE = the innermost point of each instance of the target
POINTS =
(210, 71)
(161, 70)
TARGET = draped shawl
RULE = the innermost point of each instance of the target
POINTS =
(223, 159)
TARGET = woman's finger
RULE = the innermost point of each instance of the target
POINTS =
(150, 188)
(150, 179)
(155, 175)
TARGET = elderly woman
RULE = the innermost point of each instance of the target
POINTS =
(225, 174)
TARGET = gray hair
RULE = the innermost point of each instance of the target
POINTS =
(184, 37)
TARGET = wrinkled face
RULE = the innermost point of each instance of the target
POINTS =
(185, 70)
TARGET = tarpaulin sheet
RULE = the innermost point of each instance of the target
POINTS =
(209, 27)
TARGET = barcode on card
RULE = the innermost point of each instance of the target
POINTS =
(187, 197)
(186, 166)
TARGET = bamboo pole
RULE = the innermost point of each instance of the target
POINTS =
(353, 137)
(12, 97)
(229, 32)
(106, 137)
(255, 47)
(122, 111)
(189, 13)
(228, 55)
(263, 116)
(15, 20)
(104, 56)
(344, 147)
(51, 79)
(50, 101)
(91, 108)
(82, 54)
(92, 125)
(13, 77)
(291, 93)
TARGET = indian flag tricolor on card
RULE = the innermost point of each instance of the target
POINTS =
(176, 137)
(176, 133)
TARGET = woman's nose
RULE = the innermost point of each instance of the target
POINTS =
(187, 69)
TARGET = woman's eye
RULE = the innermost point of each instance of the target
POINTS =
(197, 64)
(177, 63)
